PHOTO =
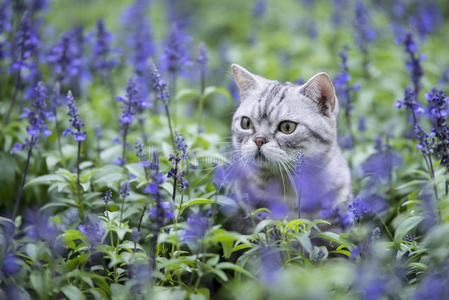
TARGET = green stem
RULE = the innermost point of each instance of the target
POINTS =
(24, 175)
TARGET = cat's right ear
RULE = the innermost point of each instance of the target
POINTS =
(245, 80)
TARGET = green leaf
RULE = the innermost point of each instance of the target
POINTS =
(231, 266)
(45, 179)
(198, 201)
(72, 292)
(405, 227)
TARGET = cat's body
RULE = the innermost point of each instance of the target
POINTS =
(276, 121)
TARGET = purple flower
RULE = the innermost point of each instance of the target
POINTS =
(140, 38)
(359, 208)
(131, 103)
(37, 116)
(5, 27)
(124, 190)
(375, 235)
(197, 225)
(93, 231)
(381, 164)
(64, 58)
(364, 31)
(259, 8)
(181, 145)
(159, 86)
(164, 210)
(77, 124)
(279, 210)
(39, 226)
(26, 45)
(355, 252)
(427, 18)
(414, 62)
(176, 55)
(101, 50)
(438, 111)
(98, 132)
(10, 265)
(409, 237)
(107, 196)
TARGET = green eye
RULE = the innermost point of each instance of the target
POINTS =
(287, 127)
(246, 123)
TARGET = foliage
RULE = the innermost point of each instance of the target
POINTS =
(87, 218)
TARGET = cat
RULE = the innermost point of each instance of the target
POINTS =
(275, 122)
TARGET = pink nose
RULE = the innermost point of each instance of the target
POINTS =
(260, 141)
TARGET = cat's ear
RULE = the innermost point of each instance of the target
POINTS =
(320, 89)
(245, 80)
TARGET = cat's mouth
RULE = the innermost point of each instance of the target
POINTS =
(259, 157)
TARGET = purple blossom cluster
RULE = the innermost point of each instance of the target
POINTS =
(77, 124)
(101, 51)
(359, 208)
(176, 55)
(25, 46)
(37, 116)
(64, 58)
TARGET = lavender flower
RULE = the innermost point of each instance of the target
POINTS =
(159, 86)
(26, 45)
(364, 32)
(77, 124)
(438, 111)
(381, 164)
(10, 265)
(181, 145)
(140, 35)
(375, 235)
(93, 231)
(176, 55)
(101, 51)
(98, 132)
(202, 61)
(355, 252)
(414, 62)
(40, 227)
(409, 237)
(107, 196)
(359, 208)
(5, 27)
(130, 105)
(124, 193)
(37, 116)
(166, 212)
(259, 8)
(427, 18)
(64, 58)
(197, 226)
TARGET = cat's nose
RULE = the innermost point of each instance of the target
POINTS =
(259, 140)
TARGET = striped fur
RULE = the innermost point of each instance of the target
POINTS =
(313, 107)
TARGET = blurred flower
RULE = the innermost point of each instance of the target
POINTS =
(409, 237)
(93, 231)
(202, 61)
(414, 62)
(259, 8)
(5, 27)
(279, 210)
(381, 164)
(64, 58)
(159, 86)
(364, 32)
(98, 132)
(426, 19)
(77, 124)
(435, 286)
(361, 124)
(37, 116)
(140, 38)
(26, 45)
(39, 226)
(107, 196)
(101, 51)
(375, 235)
(176, 55)
(359, 208)
(166, 211)
(355, 252)
(10, 265)
(438, 111)
(131, 103)
(197, 225)
(124, 190)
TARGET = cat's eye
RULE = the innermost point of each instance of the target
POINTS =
(246, 123)
(287, 127)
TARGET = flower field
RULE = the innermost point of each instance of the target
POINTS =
(118, 174)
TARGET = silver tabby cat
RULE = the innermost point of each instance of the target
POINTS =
(275, 121)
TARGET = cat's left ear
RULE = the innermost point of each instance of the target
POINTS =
(245, 80)
(320, 89)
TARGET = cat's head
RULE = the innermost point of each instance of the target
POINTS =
(277, 120)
